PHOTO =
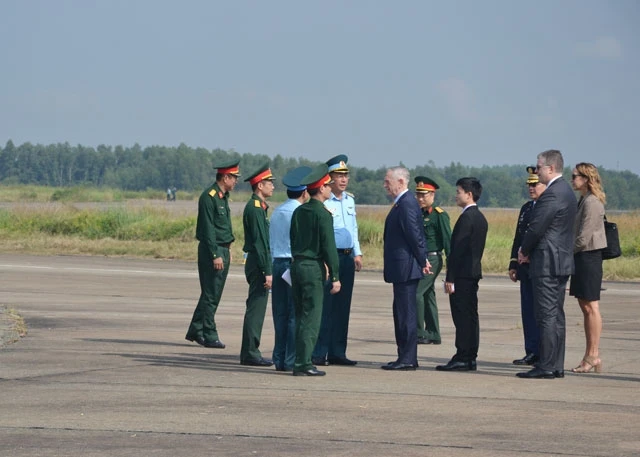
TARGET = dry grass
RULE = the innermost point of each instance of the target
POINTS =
(146, 232)
(15, 324)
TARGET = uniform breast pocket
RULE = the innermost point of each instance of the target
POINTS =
(221, 210)
(351, 210)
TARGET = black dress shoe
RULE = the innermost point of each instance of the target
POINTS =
(528, 359)
(197, 339)
(457, 365)
(217, 344)
(341, 361)
(280, 368)
(320, 361)
(397, 366)
(261, 362)
(310, 372)
(538, 373)
(558, 373)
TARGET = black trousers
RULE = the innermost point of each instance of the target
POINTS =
(464, 311)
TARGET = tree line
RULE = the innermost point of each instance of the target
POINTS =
(192, 169)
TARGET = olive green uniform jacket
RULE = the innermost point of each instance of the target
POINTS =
(313, 246)
(214, 231)
(257, 266)
(437, 231)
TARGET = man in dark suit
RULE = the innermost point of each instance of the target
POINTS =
(405, 262)
(464, 271)
(548, 246)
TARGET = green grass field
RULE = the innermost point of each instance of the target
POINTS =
(46, 221)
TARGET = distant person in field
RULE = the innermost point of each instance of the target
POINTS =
(214, 232)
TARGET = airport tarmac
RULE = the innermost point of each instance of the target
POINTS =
(105, 370)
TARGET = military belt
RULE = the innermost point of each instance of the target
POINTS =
(345, 251)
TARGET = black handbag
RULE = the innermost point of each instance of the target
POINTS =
(613, 241)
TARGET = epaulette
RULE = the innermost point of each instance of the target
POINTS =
(212, 192)
(438, 209)
(256, 203)
(328, 210)
(350, 194)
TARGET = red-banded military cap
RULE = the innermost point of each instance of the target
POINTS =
(424, 185)
(229, 167)
(263, 174)
(318, 177)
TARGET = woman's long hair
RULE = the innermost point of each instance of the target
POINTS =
(594, 183)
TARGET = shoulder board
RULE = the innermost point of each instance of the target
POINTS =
(212, 192)
(438, 209)
(350, 194)
(256, 203)
(328, 210)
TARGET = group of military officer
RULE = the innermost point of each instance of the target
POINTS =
(309, 255)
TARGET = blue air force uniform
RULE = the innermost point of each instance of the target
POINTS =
(332, 341)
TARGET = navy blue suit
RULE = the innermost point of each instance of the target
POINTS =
(405, 255)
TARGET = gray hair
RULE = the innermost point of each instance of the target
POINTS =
(554, 158)
(400, 173)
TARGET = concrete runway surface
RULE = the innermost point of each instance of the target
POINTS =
(105, 370)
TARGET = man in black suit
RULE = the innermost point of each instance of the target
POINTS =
(464, 271)
(548, 246)
(405, 262)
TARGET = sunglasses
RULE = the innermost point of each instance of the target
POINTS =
(575, 176)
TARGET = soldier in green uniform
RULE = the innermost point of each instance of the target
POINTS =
(313, 248)
(437, 231)
(213, 230)
(257, 268)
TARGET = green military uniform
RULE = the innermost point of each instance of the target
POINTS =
(214, 231)
(437, 231)
(257, 266)
(312, 246)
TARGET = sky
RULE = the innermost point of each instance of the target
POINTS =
(414, 81)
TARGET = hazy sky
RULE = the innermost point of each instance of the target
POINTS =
(476, 82)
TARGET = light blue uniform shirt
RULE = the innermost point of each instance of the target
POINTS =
(345, 226)
(279, 226)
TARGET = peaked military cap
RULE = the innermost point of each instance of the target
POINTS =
(293, 177)
(229, 167)
(318, 177)
(424, 185)
(338, 164)
(263, 174)
(533, 176)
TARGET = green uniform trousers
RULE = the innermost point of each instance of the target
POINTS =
(256, 309)
(211, 286)
(307, 277)
(428, 322)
